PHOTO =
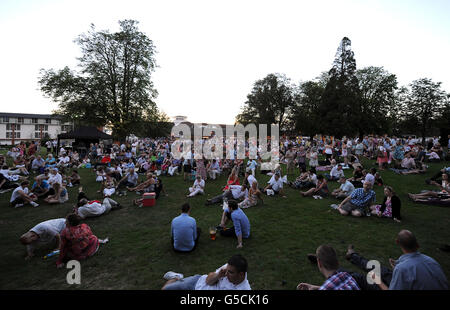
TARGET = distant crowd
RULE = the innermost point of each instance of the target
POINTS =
(310, 165)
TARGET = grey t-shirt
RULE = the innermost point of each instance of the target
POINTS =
(48, 230)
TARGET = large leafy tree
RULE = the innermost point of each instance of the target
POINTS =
(425, 103)
(268, 102)
(340, 109)
(378, 99)
(304, 117)
(113, 86)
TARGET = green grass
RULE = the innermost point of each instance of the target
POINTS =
(283, 231)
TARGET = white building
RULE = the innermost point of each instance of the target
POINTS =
(30, 127)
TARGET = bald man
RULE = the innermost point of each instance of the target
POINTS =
(413, 270)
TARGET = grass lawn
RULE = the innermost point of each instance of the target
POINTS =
(283, 231)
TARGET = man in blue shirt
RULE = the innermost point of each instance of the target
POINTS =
(413, 270)
(359, 201)
(241, 223)
(185, 234)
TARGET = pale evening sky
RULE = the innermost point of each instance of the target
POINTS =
(211, 52)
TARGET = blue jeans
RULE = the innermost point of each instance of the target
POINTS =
(184, 284)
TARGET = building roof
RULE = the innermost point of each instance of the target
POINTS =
(27, 115)
(85, 132)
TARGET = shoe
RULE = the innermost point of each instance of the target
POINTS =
(172, 275)
(18, 205)
(334, 206)
(138, 193)
(34, 204)
(350, 251)
(312, 258)
(219, 228)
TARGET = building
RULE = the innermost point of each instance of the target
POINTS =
(20, 127)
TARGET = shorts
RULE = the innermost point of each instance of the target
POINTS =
(349, 207)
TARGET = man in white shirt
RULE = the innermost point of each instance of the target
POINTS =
(20, 197)
(43, 234)
(335, 173)
(231, 276)
(275, 185)
(95, 208)
(54, 177)
(344, 190)
(214, 169)
(236, 192)
(198, 187)
(249, 178)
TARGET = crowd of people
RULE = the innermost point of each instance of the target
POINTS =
(320, 163)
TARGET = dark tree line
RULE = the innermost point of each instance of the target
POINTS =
(346, 101)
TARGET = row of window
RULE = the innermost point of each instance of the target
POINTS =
(36, 127)
(37, 135)
(20, 120)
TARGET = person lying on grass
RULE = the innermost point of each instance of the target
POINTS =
(444, 192)
(231, 276)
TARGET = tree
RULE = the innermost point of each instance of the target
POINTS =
(304, 116)
(268, 102)
(425, 104)
(340, 109)
(378, 99)
(114, 84)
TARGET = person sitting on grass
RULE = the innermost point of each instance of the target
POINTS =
(60, 195)
(275, 186)
(6, 185)
(231, 276)
(335, 173)
(41, 188)
(390, 207)
(301, 179)
(146, 186)
(20, 196)
(45, 234)
(129, 180)
(444, 192)
(320, 190)
(198, 187)
(233, 179)
(358, 203)
(185, 233)
(77, 241)
(328, 265)
(345, 190)
(74, 178)
(241, 229)
(357, 177)
(252, 197)
(38, 164)
(413, 270)
(236, 192)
